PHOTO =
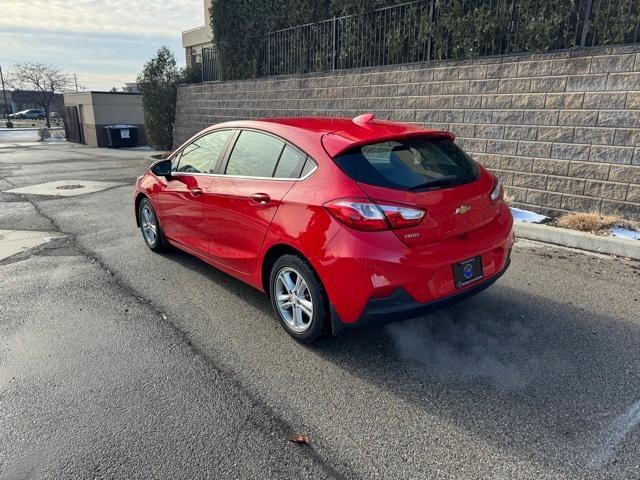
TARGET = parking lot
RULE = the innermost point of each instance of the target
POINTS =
(116, 362)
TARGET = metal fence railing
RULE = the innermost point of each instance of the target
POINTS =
(211, 64)
(426, 30)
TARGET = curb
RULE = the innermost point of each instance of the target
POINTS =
(581, 240)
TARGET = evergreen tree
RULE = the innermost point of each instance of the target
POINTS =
(158, 85)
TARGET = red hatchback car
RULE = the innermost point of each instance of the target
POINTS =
(342, 222)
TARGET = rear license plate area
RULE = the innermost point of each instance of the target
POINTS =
(467, 272)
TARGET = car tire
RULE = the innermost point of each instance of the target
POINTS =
(150, 227)
(291, 305)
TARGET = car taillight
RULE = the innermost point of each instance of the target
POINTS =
(497, 194)
(401, 217)
(363, 214)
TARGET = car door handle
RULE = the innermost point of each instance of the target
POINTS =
(196, 192)
(260, 198)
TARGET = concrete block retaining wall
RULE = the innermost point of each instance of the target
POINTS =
(561, 129)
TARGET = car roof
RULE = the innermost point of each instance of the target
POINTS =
(339, 134)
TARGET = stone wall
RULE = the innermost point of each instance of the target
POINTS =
(561, 129)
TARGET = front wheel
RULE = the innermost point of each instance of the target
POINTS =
(298, 299)
(150, 226)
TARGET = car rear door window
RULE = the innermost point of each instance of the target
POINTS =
(201, 155)
(254, 155)
(290, 163)
(309, 166)
(409, 164)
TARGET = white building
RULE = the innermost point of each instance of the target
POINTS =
(195, 39)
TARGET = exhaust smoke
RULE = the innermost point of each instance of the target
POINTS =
(454, 348)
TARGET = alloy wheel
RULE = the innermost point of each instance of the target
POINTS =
(293, 299)
(149, 225)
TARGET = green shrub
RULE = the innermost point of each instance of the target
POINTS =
(461, 29)
(158, 84)
(191, 73)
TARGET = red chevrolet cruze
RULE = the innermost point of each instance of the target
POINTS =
(342, 222)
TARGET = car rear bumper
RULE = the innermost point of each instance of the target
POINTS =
(401, 306)
(372, 275)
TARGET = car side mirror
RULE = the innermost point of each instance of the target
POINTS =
(162, 168)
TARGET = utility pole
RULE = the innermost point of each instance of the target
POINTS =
(75, 79)
(4, 93)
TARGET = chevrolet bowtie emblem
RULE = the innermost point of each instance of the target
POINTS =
(462, 209)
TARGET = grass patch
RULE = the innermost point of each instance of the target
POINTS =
(593, 222)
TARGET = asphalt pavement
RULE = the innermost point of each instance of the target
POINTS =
(116, 362)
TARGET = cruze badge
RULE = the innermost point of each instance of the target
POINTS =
(462, 209)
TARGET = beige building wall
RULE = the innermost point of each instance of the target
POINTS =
(85, 113)
(195, 39)
(112, 108)
(99, 109)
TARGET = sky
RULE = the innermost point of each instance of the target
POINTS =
(105, 43)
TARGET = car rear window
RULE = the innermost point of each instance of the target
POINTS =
(409, 164)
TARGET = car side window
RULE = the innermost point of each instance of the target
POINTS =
(309, 165)
(290, 163)
(254, 155)
(201, 155)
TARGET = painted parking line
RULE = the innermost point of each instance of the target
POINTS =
(13, 242)
(65, 188)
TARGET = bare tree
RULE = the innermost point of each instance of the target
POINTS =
(40, 82)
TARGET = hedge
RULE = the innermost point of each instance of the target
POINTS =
(455, 29)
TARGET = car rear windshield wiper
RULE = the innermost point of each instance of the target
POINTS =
(438, 182)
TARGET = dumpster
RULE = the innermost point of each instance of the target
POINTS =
(122, 136)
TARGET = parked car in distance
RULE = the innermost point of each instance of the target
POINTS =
(32, 114)
(343, 223)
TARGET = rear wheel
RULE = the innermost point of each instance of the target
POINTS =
(150, 226)
(298, 298)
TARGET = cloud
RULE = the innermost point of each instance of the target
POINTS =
(153, 18)
(105, 44)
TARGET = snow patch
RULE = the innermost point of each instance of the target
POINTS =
(625, 233)
(29, 134)
(527, 216)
